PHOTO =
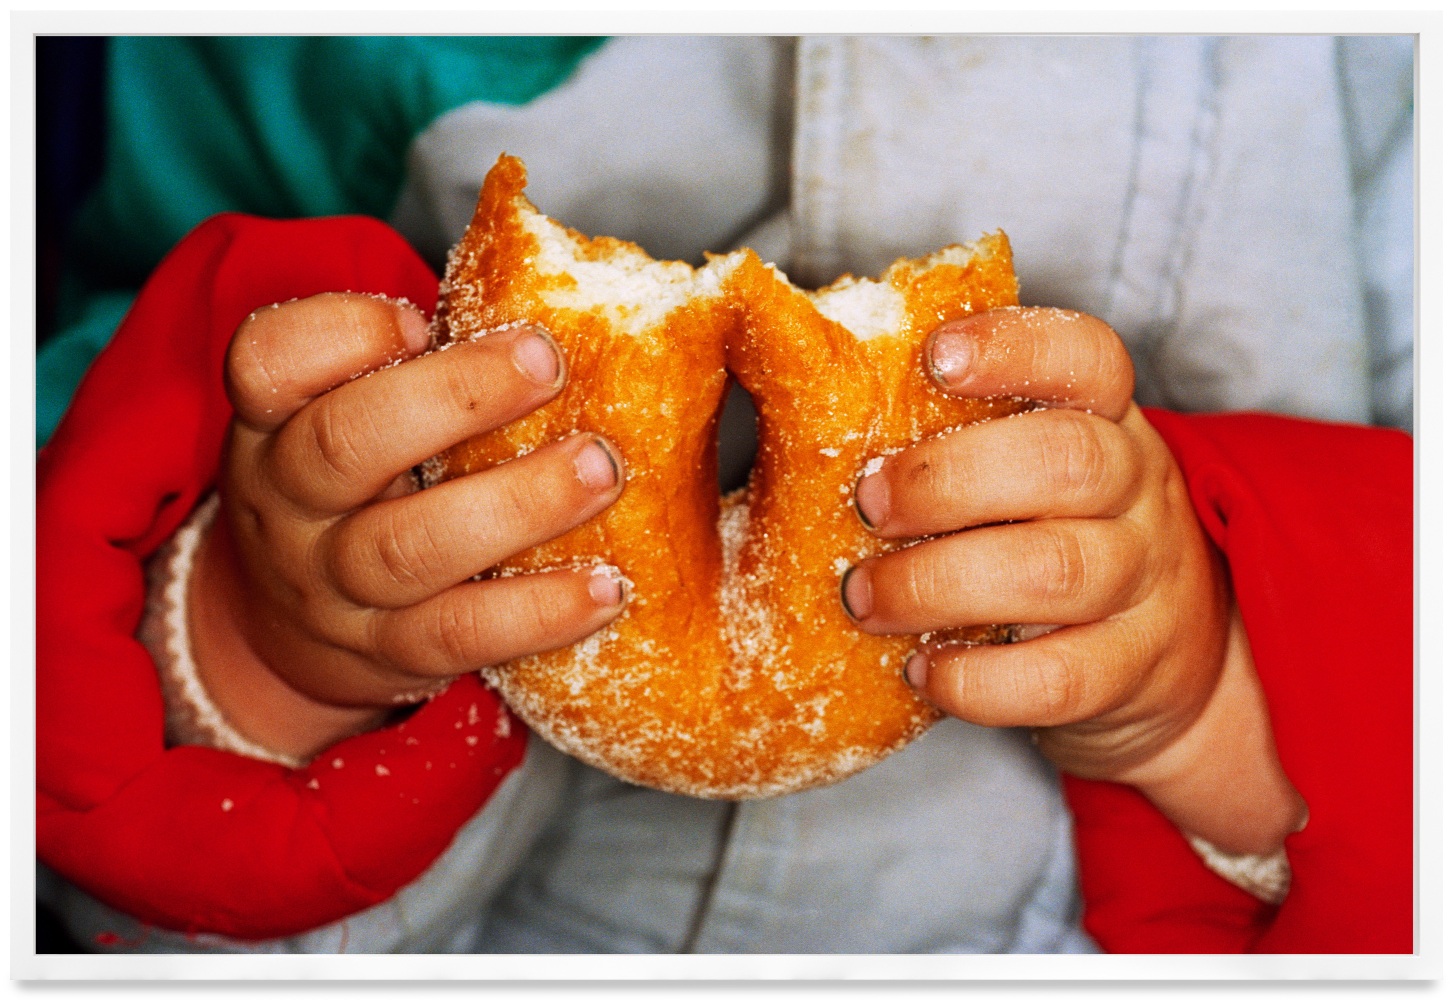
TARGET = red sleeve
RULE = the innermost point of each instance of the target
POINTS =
(195, 839)
(1316, 524)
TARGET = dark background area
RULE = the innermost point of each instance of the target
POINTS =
(69, 146)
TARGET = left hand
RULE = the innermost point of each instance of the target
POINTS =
(1074, 516)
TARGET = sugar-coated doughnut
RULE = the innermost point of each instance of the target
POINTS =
(733, 672)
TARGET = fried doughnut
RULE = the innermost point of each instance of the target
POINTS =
(733, 672)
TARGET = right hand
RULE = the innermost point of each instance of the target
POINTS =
(329, 571)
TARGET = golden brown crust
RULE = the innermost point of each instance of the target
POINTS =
(731, 674)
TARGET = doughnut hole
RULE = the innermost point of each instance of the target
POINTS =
(736, 438)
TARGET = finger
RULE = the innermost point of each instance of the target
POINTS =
(1058, 572)
(285, 355)
(476, 625)
(1057, 356)
(1051, 463)
(345, 447)
(396, 553)
(1067, 676)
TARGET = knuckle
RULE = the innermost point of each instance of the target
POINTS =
(468, 634)
(1070, 454)
(1061, 569)
(1056, 688)
(285, 466)
(456, 635)
(517, 505)
(401, 643)
(544, 613)
(523, 503)
(401, 551)
(964, 692)
(1128, 576)
(968, 686)
(340, 441)
(1123, 472)
(1087, 467)
(366, 319)
(927, 583)
(1039, 349)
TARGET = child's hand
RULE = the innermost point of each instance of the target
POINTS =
(1080, 519)
(328, 570)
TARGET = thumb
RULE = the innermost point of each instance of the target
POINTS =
(285, 355)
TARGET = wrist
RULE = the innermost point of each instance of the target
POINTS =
(253, 699)
(1221, 779)
(192, 718)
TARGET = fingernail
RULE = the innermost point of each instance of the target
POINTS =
(414, 329)
(915, 671)
(950, 355)
(870, 498)
(595, 466)
(537, 358)
(606, 587)
(856, 592)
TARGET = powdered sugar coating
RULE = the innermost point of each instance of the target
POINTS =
(732, 672)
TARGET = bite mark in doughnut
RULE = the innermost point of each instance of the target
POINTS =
(733, 672)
